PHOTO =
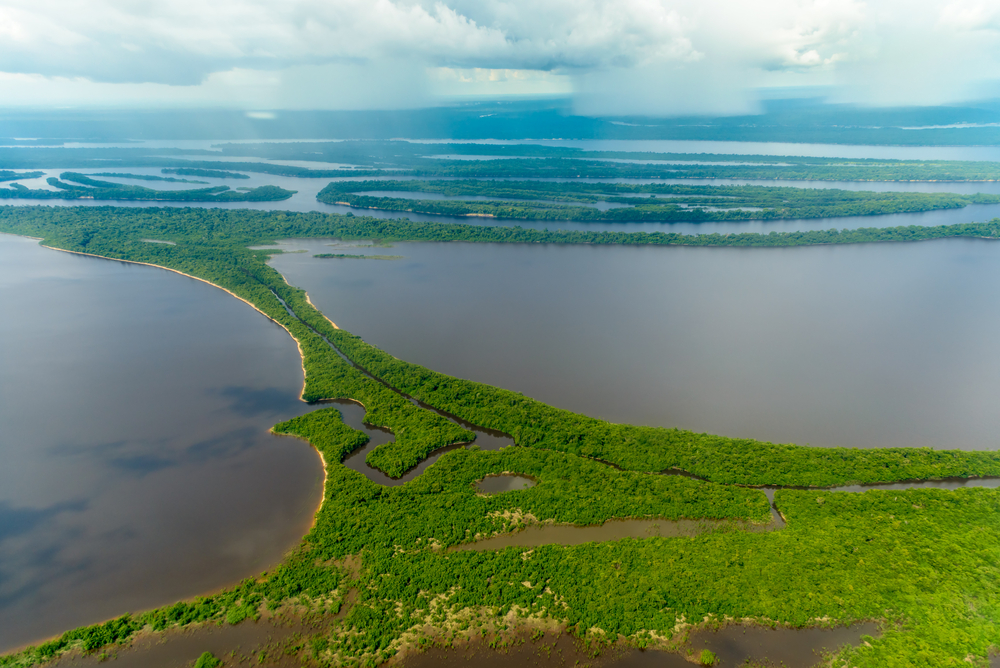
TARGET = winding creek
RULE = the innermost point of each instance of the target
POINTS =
(137, 465)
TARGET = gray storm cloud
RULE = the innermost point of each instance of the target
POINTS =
(642, 56)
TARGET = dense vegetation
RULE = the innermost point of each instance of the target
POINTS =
(529, 200)
(926, 562)
(230, 229)
(72, 185)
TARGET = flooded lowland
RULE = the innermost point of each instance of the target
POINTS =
(138, 468)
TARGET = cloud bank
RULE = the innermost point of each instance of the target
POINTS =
(614, 56)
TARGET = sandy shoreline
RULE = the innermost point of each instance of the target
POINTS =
(309, 301)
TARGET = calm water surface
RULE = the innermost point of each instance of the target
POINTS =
(137, 467)
(869, 346)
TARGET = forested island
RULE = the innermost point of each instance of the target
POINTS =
(537, 200)
(7, 175)
(72, 185)
(379, 556)
(145, 177)
(208, 173)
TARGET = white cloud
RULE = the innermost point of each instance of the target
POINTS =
(477, 81)
(112, 40)
(821, 34)
(963, 15)
(660, 56)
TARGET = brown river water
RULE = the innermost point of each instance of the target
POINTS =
(883, 345)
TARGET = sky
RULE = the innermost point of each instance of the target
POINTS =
(611, 57)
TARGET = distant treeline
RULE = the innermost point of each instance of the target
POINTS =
(566, 162)
(207, 173)
(144, 177)
(325, 256)
(526, 161)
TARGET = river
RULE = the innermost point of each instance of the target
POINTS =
(883, 345)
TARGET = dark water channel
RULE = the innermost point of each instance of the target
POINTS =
(137, 464)
(886, 345)
(269, 642)
(732, 645)
(353, 415)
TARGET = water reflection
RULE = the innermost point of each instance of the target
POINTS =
(505, 482)
(138, 468)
